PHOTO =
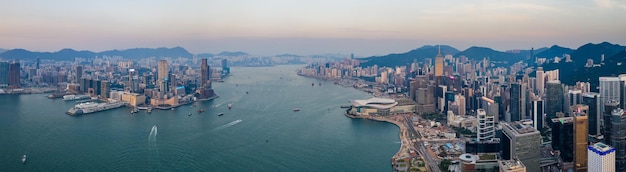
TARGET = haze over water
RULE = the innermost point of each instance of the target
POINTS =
(260, 133)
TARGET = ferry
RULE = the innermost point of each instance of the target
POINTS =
(24, 159)
(143, 107)
(75, 97)
(296, 109)
(91, 107)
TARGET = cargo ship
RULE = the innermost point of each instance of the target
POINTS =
(91, 107)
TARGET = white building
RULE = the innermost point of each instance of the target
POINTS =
(486, 130)
(609, 90)
(600, 158)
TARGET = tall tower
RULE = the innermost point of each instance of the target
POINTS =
(79, 72)
(592, 100)
(163, 73)
(4, 74)
(601, 157)
(204, 72)
(609, 89)
(486, 128)
(439, 63)
(14, 75)
(579, 112)
(540, 81)
(516, 102)
(537, 111)
(133, 80)
(554, 99)
(618, 138)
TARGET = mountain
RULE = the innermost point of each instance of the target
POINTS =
(70, 54)
(205, 55)
(401, 59)
(478, 53)
(613, 66)
(595, 51)
(554, 51)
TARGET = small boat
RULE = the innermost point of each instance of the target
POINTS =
(296, 109)
(312, 84)
(220, 114)
(149, 110)
(24, 159)
(189, 114)
(230, 106)
(320, 84)
(246, 92)
(172, 109)
(200, 110)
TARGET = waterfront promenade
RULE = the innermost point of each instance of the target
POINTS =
(397, 120)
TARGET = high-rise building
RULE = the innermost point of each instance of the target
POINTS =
(607, 127)
(573, 97)
(562, 137)
(163, 74)
(618, 138)
(601, 157)
(4, 74)
(37, 65)
(14, 75)
(592, 100)
(522, 142)
(439, 64)
(486, 126)
(204, 72)
(579, 113)
(133, 80)
(517, 103)
(554, 98)
(105, 91)
(609, 89)
(540, 81)
(537, 112)
(79, 73)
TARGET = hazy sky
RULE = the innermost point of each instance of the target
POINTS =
(268, 27)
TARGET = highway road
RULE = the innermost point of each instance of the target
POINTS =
(419, 146)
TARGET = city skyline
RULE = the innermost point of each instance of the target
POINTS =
(276, 27)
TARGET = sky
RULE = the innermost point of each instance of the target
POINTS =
(270, 27)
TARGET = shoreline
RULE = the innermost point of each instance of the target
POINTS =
(401, 127)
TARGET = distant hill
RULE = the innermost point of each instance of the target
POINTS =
(3, 50)
(228, 53)
(391, 60)
(554, 51)
(613, 66)
(70, 54)
(478, 53)
(570, 72)
(205, 55)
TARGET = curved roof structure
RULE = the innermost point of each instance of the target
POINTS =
(378, 103)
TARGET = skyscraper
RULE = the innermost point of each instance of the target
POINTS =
(562, 137)
(607, 127)
(554, 98)
(579, 113)
(79, 73)
(439, 64)
(618, 138)
(104, 89)
(592, 100)
(486, 126)
(540, 81)
(521, 141)
(163, 73)
(516, 102)
(537, 111)
(601, 157)
(133, 80)
(14, 75)
(205, 71)
(573, 97)
(609, 89)
(4, 74)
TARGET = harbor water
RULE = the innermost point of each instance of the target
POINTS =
(261, 132)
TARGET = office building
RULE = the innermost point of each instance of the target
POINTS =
(518, 101)
(79, 73)
(486, 126)
(579, 113)
(162, 78)
(554, 99)
(439, 64)
(522, 142)
(562, 137)
(4, 74)
(205, 73)
(592, 100)
(541, 80)
(607, 126)
(609, 89)
(601, 158)
(618, 138)
(537, 112)
(105, 90)
(573, 97)
(14, 75)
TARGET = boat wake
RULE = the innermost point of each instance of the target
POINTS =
(153, 149)
(153, 133)
(228, 125)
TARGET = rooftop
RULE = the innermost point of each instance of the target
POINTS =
(511, 164)
(601, 148)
